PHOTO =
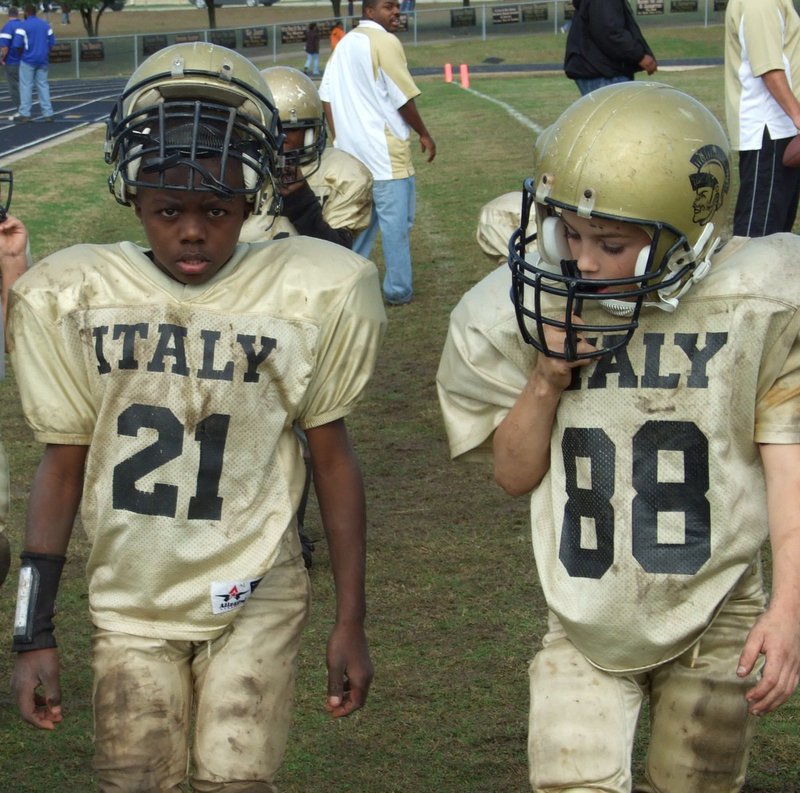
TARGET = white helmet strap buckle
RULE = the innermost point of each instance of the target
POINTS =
(701, 254)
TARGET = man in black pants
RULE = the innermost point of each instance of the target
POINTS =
(762, 63)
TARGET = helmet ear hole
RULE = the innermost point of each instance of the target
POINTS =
(308, 140)
(553, 245)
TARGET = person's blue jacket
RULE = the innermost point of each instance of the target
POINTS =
(6, 37)
(35, 37)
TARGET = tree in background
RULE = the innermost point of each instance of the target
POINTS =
(212, 13)
(92, 10)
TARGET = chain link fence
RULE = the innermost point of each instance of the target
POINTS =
(108, 56)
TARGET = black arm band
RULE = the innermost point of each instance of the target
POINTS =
(39, 575)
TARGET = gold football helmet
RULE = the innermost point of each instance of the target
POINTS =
(188, 103)
(299, 107)
(638, 152)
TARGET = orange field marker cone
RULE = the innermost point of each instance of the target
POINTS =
(464, 76)
(448, 73)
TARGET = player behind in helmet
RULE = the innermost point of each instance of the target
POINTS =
(642, 384)
(165, 383)
(324, 192)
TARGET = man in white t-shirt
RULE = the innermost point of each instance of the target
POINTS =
(762, 71)
(368, 95)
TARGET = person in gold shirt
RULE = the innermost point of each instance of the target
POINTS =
(595, 374)
(166, 383)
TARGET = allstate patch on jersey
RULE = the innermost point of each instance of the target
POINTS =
(229, 595)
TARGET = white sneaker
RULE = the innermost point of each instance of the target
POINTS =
(13, 117)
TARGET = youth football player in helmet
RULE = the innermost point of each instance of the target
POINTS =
(165, 382)
(642, 385)
(324, 192)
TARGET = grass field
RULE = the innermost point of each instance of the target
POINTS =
(454, 609)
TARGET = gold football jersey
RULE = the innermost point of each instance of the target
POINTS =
(497, 221)
(187, 396)
(343, 186)
(655, 504)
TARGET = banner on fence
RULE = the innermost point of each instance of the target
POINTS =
(153, 43)
(92, 51)
(255, 37)
(462, 17)
(649, 7)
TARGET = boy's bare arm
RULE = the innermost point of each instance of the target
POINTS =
(54, 500)
(340, 493)
(776, 634)
(13, 255)
(521, 441)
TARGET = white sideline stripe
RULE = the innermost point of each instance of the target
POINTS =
(512, 111)
(101, 98)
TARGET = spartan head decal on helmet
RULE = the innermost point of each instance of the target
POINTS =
(635, 152)
(184, 105)
(299, 108)
(711, 182)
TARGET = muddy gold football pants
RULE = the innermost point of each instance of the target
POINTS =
(582, 720)
(235, 691)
